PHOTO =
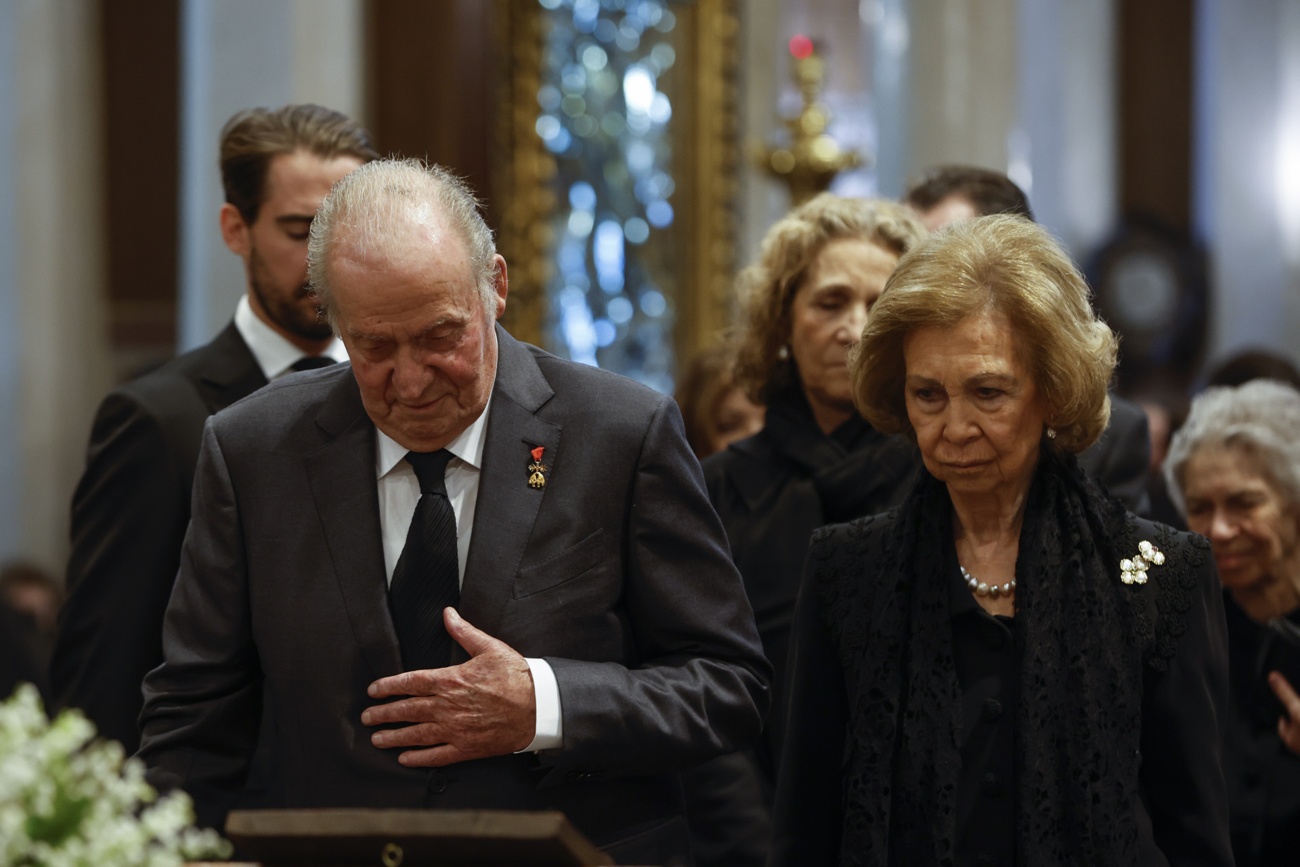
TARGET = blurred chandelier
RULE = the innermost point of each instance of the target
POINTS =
(812, 159)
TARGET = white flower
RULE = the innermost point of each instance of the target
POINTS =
(69, 799)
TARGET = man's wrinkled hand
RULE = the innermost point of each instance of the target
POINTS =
(480, 708)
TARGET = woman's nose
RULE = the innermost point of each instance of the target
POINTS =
(1221, 525)
(958, 425)
(852, 323)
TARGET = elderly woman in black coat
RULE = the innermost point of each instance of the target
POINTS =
(1234, 472)
(1009, 667)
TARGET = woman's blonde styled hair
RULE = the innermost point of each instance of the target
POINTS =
(1002, 264)
(767, 288)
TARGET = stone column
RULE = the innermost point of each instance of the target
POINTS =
(1247, 164)
(53, 352)
(54, 359)
(963, 71)
(1020, 86)
(1062, 150)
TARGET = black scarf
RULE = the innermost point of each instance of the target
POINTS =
(855, 470)
(1083, 639)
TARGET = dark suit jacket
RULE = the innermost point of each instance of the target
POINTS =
(20, 653)
(129, 515)
(616, 572)
(1121, 459)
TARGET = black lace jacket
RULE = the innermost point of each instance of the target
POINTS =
(1122, 689)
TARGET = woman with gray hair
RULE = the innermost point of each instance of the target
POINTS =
(1009, 667)
(1234, 472)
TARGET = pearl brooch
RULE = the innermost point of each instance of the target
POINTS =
(1134, 570)
(979, 588)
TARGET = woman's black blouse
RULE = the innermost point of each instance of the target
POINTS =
(984, 650)
(1181, 772)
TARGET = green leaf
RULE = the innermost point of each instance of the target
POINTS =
(63, 823)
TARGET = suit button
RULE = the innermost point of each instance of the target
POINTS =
(437, 784)
(578, 776)
(992, 709)
(991, 785)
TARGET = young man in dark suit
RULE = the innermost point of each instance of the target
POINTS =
(132, 504)
(593, 638)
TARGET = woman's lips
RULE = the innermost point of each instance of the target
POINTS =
(965, 465)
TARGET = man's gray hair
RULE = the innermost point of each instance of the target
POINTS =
(1258, 418)
(372, 203)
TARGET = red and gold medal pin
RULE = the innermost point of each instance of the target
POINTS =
(537, 470)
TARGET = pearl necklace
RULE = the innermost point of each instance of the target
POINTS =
(979, 588)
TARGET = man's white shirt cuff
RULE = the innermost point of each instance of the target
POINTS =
(546, 692)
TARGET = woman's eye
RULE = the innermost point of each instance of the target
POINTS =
(1247, 503)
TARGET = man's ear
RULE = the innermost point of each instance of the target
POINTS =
(234, 231)
(502, 285)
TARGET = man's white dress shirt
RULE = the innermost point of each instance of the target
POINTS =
(399, 491)
(273, 353)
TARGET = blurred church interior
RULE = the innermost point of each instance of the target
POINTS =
(630, 155)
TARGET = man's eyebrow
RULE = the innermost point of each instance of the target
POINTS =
(450, 321)
(295, 218)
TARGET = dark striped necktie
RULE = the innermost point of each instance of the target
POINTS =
(427, 577)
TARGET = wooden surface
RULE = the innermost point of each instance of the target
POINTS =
(451, 838)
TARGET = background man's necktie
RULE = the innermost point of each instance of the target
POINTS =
(427, 577)
(311, 362)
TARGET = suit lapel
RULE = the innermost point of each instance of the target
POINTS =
(507, 505)
(342, 478)
(230, 372)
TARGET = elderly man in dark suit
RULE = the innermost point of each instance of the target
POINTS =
(594, 639)
(132, 504)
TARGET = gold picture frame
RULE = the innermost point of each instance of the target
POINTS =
(704, 135)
